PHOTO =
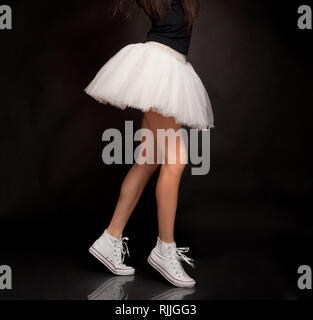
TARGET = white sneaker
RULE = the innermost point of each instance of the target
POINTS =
(111, 252)
(166, 258)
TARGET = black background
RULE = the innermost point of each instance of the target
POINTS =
(57, 194)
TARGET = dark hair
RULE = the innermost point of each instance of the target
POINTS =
(156, 8)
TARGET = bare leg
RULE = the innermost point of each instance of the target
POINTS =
(169, 179)
(131, 190)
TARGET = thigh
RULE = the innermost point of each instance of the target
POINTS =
(170, 147)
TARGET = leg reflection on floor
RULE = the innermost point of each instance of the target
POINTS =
(175, 294)
(115, 288)
(112, 289)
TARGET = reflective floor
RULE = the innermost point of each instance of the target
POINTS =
(236, 259)
(55, 274)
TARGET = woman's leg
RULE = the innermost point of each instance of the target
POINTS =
(166, 257)
(131, 190)
(170, 174)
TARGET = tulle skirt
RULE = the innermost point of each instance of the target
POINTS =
(153, 76)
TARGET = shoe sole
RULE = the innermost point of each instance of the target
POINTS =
(103, 260)
(168, 277)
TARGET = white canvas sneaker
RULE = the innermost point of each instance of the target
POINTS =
(111, 252)
(166, 258)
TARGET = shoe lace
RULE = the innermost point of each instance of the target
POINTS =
(122, 249)
(178, 254)
(181, 256)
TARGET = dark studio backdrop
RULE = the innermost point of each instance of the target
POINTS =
(249, 219)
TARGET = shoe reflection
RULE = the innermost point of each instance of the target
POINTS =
(174, 294)
(112, 289)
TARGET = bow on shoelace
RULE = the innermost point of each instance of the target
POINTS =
(122, 245)
(180, 254)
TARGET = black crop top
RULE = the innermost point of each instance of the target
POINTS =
(171, 29)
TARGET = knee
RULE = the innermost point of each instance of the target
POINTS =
(148, 168)
(174, 169)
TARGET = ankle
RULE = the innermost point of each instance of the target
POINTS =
(166, 240)
(114, 233)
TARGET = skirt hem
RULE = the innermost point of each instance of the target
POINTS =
(158, 109)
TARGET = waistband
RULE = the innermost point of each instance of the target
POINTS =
(168, 49)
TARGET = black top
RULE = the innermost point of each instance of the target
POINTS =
(171, 29)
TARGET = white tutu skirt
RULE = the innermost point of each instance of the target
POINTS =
(152, 76)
